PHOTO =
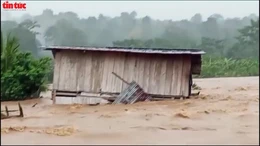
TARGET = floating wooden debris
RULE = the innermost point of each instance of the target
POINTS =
(7, 115)
(133, 93)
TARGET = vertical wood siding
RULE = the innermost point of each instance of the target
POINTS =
(92, 72)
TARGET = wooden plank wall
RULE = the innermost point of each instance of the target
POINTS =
(92, 72)
(196, 64)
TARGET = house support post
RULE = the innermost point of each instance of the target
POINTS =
(53, 96)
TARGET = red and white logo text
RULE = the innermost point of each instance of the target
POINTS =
(10, 5)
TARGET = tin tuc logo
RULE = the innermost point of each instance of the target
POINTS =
(7, 5)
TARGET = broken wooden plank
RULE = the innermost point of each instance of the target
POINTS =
(20, 109)
(120, 78)
(34, 104)
(6, 110)
(9, 111)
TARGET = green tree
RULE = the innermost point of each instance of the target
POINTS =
(213, 47)
(64, 33)
(196, 19)
(26, 35)
(129, 43)
(248, 42)
(22, 75)
(179, 37)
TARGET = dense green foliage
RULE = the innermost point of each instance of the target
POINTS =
(22, 76)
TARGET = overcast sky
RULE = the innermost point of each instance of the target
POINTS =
(175, 10)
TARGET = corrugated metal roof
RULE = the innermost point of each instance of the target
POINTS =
(129, 49)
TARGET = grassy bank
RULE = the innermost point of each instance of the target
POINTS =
(227, 67)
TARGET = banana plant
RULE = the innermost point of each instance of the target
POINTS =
(9, 50)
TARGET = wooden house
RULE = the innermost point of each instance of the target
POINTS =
(88, 70)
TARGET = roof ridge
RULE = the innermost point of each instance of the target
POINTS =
(129, 49)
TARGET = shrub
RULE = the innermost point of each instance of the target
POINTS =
(22, 76)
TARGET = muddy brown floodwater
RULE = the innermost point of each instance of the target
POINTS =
(226, 112)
